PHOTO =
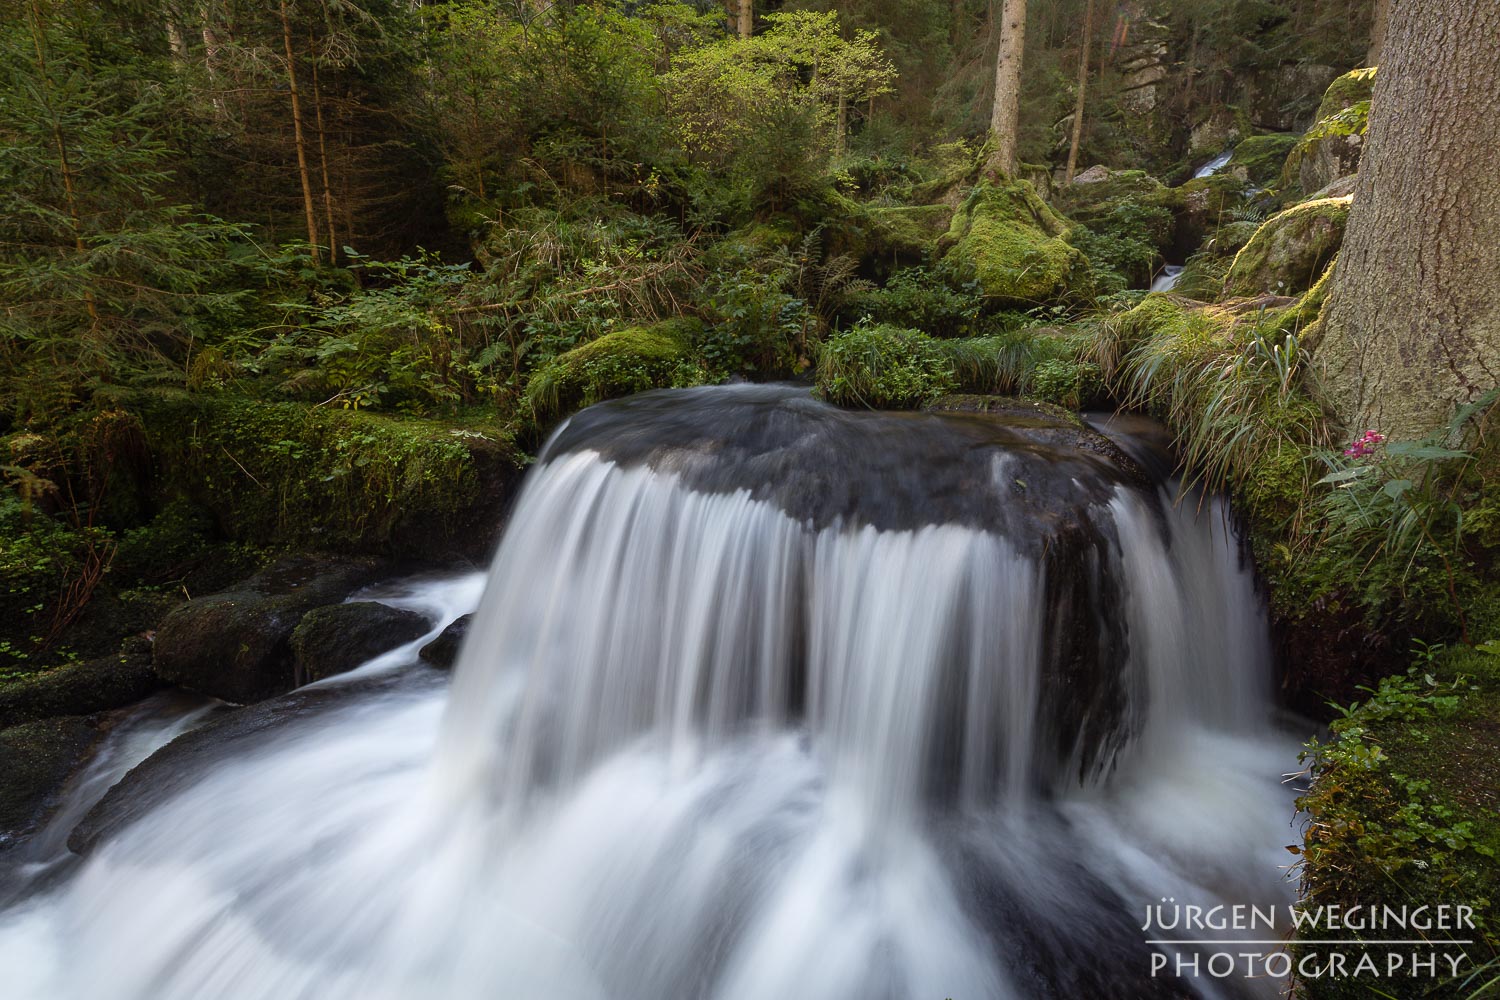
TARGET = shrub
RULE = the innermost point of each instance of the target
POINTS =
(884, 366)
(617, 364)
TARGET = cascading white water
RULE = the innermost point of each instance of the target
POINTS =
(1167, 279)
(1215, 165)
(717, 732)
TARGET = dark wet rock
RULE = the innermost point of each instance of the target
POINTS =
(231, 736)
(81, 688)
(236, 645)
(1020, 476)
(442, 652)
(336, 639)
(38, 758)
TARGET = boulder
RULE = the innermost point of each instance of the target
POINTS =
(81, 688)
(1205, 205)
(1290, 251)
(1125, 226)
(1013, 245)
(1331, 149)
(1094, 175)
(1260, 159)
(236, 645)
(39, 757)
(442, 652)
(1221, 128)
(617, 364)
(337, 638)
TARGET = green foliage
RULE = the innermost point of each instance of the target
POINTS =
(760, 113)
(884, 367)
(1229, 387)
(1262, 157)
(881, 366)
(1125, 225)
(919, 298)
(617, 364)
(43, 561)
(1398, 809)
(98, 273)
(289, 474)
(1400, 504)
(386, 342)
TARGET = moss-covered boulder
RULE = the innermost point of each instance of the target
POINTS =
(617, 364)
(885, 238)
(287, 474)
(38, 759)
(80, 688)
(1354, 87)
(1331, 149)
(335, 639)
(1014, 245)
(1291, 250)
(1220, 127)
(1205, 205)
(237, 645)
(1260, 159)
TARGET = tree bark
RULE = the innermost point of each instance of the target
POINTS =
(297, 136)
(1005, 119)
(1379, 25)
(317, 97)
(1412, 326)
(1083, 83)
(746, 19)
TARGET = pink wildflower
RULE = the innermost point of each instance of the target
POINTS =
(1364, 446)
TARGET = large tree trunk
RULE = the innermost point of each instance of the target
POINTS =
(746, 18)
(1006, 117)
(1412, 327)
(1083, 84)
(1379, 24)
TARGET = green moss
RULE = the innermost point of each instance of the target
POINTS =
(907, 230)
(1262, 157)
(290, 474)
(1291, 250)
(617, 364)
(1402, 806)
(1348, 90)
(1013, 244)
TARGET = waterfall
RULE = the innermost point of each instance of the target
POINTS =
(761, 699)
(1167, 279)
(1215, 165)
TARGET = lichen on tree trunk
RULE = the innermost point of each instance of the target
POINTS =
(1412, 328)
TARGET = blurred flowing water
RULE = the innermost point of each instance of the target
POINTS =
(762, 699)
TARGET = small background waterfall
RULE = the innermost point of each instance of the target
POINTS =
(763, 699)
